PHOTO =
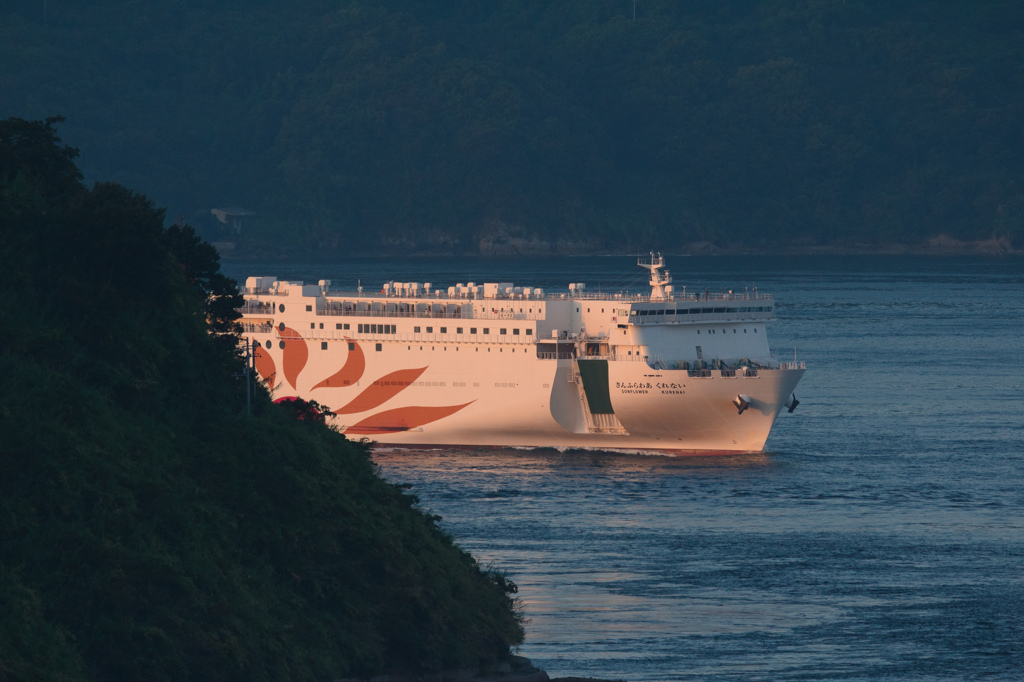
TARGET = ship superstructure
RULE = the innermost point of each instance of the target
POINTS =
(495, 364)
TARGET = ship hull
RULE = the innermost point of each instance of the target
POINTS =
(504, 395)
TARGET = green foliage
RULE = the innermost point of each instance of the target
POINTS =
(149, 529)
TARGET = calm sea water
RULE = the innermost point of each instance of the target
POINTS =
(879, 536)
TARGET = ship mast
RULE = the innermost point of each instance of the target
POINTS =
(659, 280)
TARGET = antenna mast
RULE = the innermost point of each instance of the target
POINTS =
(659, 280)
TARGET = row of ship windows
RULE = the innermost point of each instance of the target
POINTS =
(392, 329)
(309, 309)
(379, 347)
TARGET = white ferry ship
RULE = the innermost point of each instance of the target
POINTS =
(495, 364)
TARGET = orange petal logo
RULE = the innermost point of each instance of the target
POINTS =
(265, 366)
(382, 390)
(402, 419)
(355, 363)
(295, 355)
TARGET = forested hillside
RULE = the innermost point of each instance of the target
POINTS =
(408, 126)
(150, 527)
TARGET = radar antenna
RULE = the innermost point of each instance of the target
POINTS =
(659, 280)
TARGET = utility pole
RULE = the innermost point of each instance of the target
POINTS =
(250, 361)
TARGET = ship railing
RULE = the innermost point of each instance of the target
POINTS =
(787, 364)
(554, 356)
(257, 308)
(403, 337)
(673, 320)
(454, 314)
(451, 314)
(674, 296)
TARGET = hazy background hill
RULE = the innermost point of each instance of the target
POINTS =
(528, 125)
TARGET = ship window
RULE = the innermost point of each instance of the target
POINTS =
(281, 345)
(504, 331)
(378, 346)
(698, 332)
(588, 310)
(529, 332)
(269, 344)
(472, 330)
(312, 325)
(309, 308)
(323, 345)
(321, 325)
(744, 331)
(351, 345)
(515, 332)
(458, 330)
(280, 308)
(416, 330)
(430, 330)
(755, 330)
(444, 330)
(733, 331)
(338, 325)
(487, 330)
(281, 326)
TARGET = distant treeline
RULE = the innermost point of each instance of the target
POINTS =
(406, 125)
(151, 528)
